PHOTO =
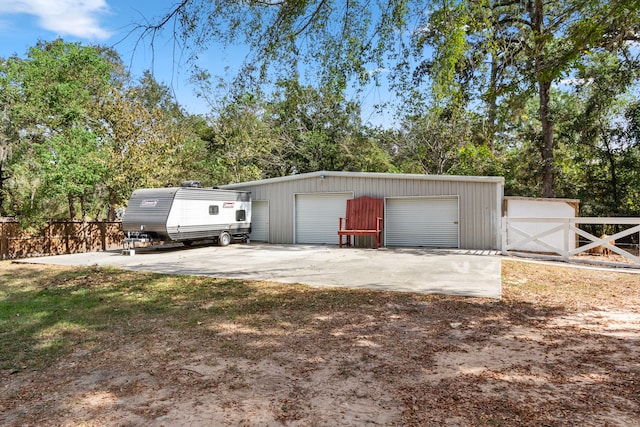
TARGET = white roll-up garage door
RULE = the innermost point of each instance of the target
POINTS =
(259, 221)
(422, 221)
(318, 215)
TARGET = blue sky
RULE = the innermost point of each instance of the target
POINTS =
(107, 22)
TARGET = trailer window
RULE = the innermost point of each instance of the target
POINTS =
(241, 215)
(213, 210)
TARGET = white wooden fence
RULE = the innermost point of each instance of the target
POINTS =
(517, 233)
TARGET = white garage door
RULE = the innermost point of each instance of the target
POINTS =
(259, 221)
(318, 216)
(422, 221)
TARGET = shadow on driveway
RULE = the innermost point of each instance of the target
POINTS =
(451, 272)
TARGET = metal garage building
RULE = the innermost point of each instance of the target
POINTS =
(420, 210)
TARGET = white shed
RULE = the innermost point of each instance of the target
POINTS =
(526, 207)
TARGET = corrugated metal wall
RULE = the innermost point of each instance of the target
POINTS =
(480, 199)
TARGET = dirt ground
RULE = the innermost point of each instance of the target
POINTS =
(561, 349)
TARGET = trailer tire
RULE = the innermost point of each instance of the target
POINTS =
(187, 242)
(224, 239)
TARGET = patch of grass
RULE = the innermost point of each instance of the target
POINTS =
(570, 287)
(47, 312)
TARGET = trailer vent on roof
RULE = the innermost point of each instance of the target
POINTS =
(191, 184)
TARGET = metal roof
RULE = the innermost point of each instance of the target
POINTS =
(542, 199)
(341, 174)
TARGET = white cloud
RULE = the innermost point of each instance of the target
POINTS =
(378, 71)
(77, 18)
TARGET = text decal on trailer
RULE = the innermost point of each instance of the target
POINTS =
(149, 203)
(228, 205)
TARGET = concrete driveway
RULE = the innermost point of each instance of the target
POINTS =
(452, 272)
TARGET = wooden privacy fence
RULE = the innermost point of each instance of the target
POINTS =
(58, 238)
(564, 239)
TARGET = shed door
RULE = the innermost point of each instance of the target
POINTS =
(422, 221)
(259, 221)
(318, 215)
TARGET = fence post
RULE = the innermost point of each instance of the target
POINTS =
(504, 235)
(48, 238)
(2, 241)
(66, 237)
(85, 234)
(103, 235)
(565, 252)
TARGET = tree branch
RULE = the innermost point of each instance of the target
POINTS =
(504, 4)
(514, 20)
(309, 19)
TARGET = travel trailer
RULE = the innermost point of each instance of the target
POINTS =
(186, 214)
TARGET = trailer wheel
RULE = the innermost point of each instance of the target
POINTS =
(224, 239)
(187, 242)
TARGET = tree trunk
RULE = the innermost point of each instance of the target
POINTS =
(614, 176)
(3, 178)
(492, 102)
(547, 139)
(111, 213)
(72, 208)
(544, 86)
(85, 225)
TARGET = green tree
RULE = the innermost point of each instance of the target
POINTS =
(344, 36)
(146, 144)
(240, 142)
(605, 130)
(517, 50)
(9, 128)
(81, 133)
(630, 161)
(155, 95)
(59, 86)
(72, 164)
(432, 143)
(296, 129)
(320, 130)
(502, 52)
